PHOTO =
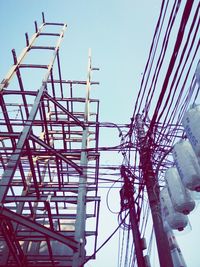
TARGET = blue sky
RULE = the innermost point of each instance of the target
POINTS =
(115, 30)
(119, 34)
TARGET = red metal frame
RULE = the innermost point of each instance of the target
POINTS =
(40, 154)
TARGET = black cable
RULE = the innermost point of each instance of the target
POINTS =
(107, 195)
(106, 241)
(181, 62)
(177, 46)
(150, 55)
(161, 57)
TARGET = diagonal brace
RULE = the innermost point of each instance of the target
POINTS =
(38, 228)
(15, 157)
(80, 123)
(59, 155)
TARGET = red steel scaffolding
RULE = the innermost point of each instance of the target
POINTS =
(49, 159)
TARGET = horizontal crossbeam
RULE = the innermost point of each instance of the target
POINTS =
(4, 212)
(59, 155)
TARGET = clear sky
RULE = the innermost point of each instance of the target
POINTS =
(119, 34)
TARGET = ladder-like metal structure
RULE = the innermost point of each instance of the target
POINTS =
(49, 158)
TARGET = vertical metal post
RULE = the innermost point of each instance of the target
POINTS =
(79, 257)
(153, 195)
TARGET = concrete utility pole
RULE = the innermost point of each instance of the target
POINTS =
(129, 197)
(176, 253)
(153, 192)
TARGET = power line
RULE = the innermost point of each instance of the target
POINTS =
(105, 242)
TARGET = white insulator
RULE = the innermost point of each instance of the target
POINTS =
(191, 124)
(176, 220)
(187, 165)
(180, 196)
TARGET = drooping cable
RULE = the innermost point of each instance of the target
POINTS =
(104, 243)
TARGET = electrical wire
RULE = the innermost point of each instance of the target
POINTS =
(176, 49)
(104, 243)
(163, 125)
(150, 56)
